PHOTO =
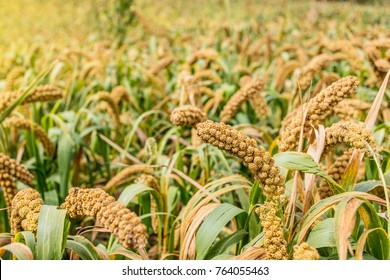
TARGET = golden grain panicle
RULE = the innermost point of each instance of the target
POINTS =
(349, 109)
(39, 93)
(9, 187)
(283, 72)
(256, 158)
(314, 67)
(125, 175)
(245, 93)
(26, 206)
(40, 134)
(380, 65)
(318, 109)
(92, 69)
(274, 242)
(208, 75)
(207, 54)
(322, 105)
(304, 251)
(259, 105)
(187, 115)
(12, 76)
(148, 180)
(161, 64)
(355, 134)
(244, 80)
(113, 215)
(14, 169)
(43, 93)
(6, 99)
(120, 93)
(336, 172)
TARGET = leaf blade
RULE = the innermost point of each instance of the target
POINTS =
(51, 234)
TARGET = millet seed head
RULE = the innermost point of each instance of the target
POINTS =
(187, 115)
(355, 134)
(248, 91)
(113, 215)
(26, 206)
(305, 252)
(256, 158)
(274, 242)
(40, 134)
(15, 170)
(317, 109)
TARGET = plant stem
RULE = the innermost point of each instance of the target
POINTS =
(382, 177)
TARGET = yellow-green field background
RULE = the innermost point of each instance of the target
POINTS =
(73, 21)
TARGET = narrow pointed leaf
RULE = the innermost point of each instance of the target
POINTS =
(306, 164)
(212, 226)
(83, 248)
(51, 234)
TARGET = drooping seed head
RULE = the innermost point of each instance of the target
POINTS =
(318, 109)
(336, 172)
(256, 158)
(248, 91)
(113, 215)
(305, 252)
(15, 170)
(355, 134)
(39, 133)
(26, 206)
(161, 64)
(125, 175)
(187, 115)
(274, 242)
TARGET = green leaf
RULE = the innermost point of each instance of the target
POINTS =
(65, 154)
(131, 191)
(52, 231)
(225, 244)
(120, 250)
(362, 242)
(51, 198)
(367, 186)
(173, 198)
(27, 238)
(135, 126)
(83, 247)
(243, 198)
(212, 226)
(377, 242)
(255, 194)
(305, 163)
(322, 235)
